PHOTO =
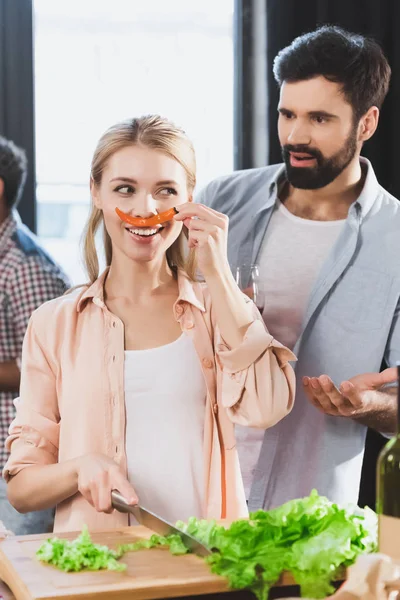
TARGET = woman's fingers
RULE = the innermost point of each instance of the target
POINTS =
(202, 212)
(102, 495)
(125, 488)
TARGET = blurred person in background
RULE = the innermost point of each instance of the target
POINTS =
(325, 236)
(28, 278)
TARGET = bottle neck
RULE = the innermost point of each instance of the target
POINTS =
(398, 400)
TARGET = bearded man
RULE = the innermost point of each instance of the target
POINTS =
(325, 237)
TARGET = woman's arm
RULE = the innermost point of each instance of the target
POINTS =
(233, 314)
(255, 381)
(94, 476)
(208, 232)
(42, 486)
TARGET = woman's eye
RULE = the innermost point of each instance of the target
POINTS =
(125, 189)
(169, 191)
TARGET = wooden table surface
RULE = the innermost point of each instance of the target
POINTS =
(154, 573)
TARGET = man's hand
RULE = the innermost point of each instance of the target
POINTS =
(353, 398)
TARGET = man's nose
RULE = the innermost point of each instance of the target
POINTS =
(299, 134)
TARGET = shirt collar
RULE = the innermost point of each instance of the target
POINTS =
(371, 188)
(189, 291)
(8, 228)
(275, 184)
(365, 201)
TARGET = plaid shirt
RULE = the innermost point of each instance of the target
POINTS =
(28, 278)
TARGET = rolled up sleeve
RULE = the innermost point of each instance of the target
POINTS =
(34, 433)
(257, 383)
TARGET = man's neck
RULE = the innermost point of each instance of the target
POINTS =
(330, 203)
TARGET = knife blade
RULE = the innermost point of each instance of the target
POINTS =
(155, 523)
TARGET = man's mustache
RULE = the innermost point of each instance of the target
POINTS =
(314, 152)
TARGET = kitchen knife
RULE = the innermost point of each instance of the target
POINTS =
(155, 523)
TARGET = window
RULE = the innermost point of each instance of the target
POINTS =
(98, 62)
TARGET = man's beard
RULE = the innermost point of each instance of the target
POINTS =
(326, 169)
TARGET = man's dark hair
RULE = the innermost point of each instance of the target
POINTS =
(13, 170)
(355, 62)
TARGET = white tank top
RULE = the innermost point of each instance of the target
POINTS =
(165, 395)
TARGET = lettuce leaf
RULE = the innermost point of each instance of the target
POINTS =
(79, 554)
(310, 537)
(82, 553)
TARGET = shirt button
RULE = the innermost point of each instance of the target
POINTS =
(114, 400)
(116, 449)
(207, 363)
(189, 325)
(215, 408)
(114, 324)
(113, 358)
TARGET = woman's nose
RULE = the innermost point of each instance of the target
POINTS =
(144, 205)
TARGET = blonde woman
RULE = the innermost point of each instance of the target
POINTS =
(136, 380)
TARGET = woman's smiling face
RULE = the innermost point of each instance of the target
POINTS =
(141, 182)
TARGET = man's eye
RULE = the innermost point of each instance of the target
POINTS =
(125, 189)
(320, 120)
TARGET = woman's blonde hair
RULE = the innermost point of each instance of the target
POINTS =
(154, 132)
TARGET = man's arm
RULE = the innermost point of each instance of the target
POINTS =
(9, 376)
(31, 286)
(382, 414)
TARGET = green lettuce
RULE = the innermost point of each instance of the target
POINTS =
(82, 553)
(79, 554)
(310, 537)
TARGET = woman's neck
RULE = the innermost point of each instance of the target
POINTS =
(134, 281)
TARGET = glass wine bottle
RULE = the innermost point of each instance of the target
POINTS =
(388, 490)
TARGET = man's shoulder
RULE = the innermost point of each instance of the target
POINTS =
(225, 191)
(389, 201)
(28, 245)
(264, 174)
(25, 252)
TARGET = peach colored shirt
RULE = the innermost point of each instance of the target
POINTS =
(72, 394)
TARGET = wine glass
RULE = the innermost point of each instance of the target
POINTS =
(248, 280)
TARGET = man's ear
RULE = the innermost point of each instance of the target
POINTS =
(369, 123)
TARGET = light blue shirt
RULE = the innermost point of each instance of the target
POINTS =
(351, 325)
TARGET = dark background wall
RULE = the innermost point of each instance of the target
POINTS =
(16, 91)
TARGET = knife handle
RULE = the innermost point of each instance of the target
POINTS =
(120, 503)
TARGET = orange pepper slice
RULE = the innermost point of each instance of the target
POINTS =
(150, 221)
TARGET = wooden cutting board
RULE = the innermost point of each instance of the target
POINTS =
(154, 573)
